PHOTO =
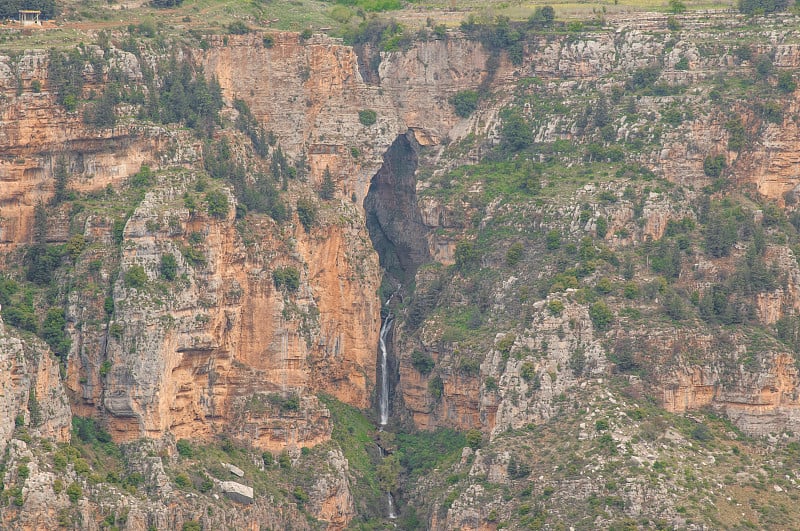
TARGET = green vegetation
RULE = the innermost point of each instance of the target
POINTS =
(287, 278)
(306, 213)
(423, 451)
(367, 117)
(464, 103)
(328, 188)
(422, 362)
(217, 202)
(760, 7)
(135, 277)
(168, 267)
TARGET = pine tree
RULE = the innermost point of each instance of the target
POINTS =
(328, 188)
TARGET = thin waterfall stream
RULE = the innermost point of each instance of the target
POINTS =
(383, 402)
(384, 390)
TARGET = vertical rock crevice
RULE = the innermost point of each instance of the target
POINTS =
(397, 232)
(394, 221)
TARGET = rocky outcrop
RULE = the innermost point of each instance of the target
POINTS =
(32, 395)
(222, 349)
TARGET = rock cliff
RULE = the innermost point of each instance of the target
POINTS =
(535, 289)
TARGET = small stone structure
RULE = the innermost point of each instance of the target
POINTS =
(29, 17)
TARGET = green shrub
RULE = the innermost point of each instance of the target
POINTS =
(268, 459)
(192, 525)
(466, 255)
(464, 102)
(555, 307)
(182, 480)
(701, 433)
(306, 213)
(737, 135)
(506, 343)
(516, 131)
(517, 469)
(217, 203)
(284, 460)
(514, 254)
(287, 278)
(367, 117)
(553, 240)
(601, 316)
(527, 371)
(601, 227)
(74, 492)
(300, 494)
(269, 41)
(436, 387)
(184, 448)
(53, 332)
(422, 452)
(713, 165)
(786, 82)
(577, 362)
(673, 24)
(168, 267)
(422, 362)
(135, 277)
(238, 28)
(474, 438)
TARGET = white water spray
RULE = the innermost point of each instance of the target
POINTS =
(384, 394)
(392, 514)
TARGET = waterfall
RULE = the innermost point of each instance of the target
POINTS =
(384, 390)
(392, 514)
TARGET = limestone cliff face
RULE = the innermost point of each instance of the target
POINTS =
(222, 349)
(32, 392)
(36, 132)
(219, 349)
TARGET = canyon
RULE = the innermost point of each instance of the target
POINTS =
(268, 329)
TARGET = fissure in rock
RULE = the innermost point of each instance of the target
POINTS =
(394, 221)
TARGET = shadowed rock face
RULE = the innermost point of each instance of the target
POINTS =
(393, 217)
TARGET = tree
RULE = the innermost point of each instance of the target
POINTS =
(516, 131)
(328, 188)
(601, 114)
(786, 82)
(676, 7)
(542, 17)
(713, 165)
(61, 177)
(306, 213)
(168, 267)
(759, 7)
(135, 277)
(464, 102)
(53, 332)
(601, 316)
(466, 255)
(217, 203)
(367, 117)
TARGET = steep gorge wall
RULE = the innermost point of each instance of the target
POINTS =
(189, 378)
